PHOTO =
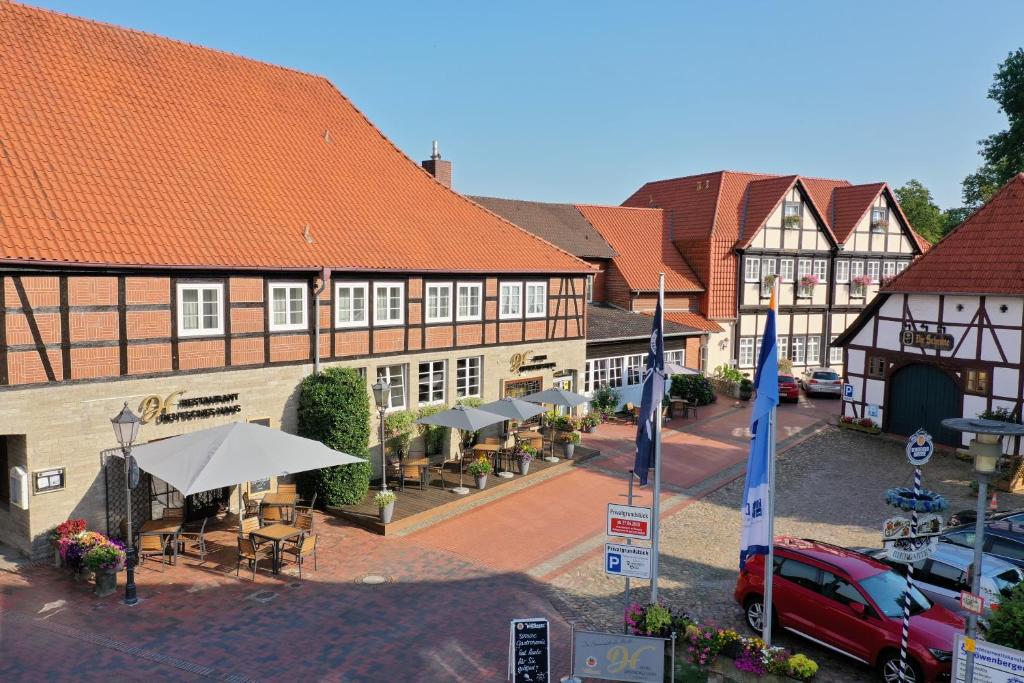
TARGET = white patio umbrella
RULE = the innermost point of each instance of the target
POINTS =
(677, 369)
(230, 454)
(558, 397)
(512, 409)
(465, 419)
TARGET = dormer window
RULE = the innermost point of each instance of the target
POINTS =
(880, 218)
(791, 214)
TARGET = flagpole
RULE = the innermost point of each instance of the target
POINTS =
(769, 562)
(656, 503)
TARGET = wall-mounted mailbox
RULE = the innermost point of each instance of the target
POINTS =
(19, 488)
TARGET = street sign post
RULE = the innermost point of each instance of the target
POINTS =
(627, 560)
(847, 392)
(972, 603)
(920, 448)
(629, 521)
(899, 527)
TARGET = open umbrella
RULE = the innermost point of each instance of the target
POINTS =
(558, 397)
(677, 369)
(465, 419)
(512, 409)
(230, 454)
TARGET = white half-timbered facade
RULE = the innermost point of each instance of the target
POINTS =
(944, 338)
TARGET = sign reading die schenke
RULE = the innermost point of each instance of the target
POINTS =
(529, 651)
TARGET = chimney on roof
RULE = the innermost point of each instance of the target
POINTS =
(438, 167)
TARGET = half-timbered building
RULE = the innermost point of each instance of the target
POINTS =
(943, 339)
(193, 233)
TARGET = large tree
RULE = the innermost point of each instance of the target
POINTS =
(1003, 152)
(924, 214)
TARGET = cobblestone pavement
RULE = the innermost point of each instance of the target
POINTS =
(830, 487)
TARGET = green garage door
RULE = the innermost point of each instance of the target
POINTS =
(922, 396)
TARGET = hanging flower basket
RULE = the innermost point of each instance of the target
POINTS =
(863, 280)
(809, 281)
(903, 498)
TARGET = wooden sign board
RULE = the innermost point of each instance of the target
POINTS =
(927, 340)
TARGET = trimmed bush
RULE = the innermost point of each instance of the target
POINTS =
(398, 428)
(695, 388)
(434, 436)
(1006, 626)
(334, 409)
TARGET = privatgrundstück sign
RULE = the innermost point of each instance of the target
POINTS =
(529, 651)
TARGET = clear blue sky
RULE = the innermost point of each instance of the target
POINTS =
(585, 101)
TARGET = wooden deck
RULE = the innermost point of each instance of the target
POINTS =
(416, 509)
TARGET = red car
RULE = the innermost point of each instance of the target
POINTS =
(853, 604)
(789, 388)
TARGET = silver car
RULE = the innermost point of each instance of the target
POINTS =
(822, 381)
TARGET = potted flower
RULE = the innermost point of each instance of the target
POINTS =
(768, 283)
(525, 455)
(746, 389)
(64, 530)
(569, 441)
(74, 548)
(480, 468)
(791, 221)
(105, 561)
(860, 283)
(385, 501)
(590, 421)
(887, 280)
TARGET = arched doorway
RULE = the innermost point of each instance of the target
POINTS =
(922, 396)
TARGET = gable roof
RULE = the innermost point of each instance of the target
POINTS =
(561, 224)
(984, 255)
(761, 199)
(644, 246)
(605, 323)
(123, 148)
(849, 204)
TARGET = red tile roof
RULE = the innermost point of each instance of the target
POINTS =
(695, 320)
(124, 148)
(985, 255)
(849, 204)
(641, 238)
(761, 199)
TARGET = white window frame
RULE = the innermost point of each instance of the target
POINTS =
(804, 266)
(751, 269)
(874, 271)
(745, 357)
(616, 371)
(843, 271)
(287, 286)
(676, 356)
(782, 344)
(589, 289)
(798, 351)
(353, 286)
(474, 286)
(901, 266)
(835, 353)
(432, 382)
(786, 270)
(511, 315)
(543, 312)
(820, 268)
(883, 221)
(888, 268)
(856, 270)
(636, 364)
(389, 322)
(201, 287)
(439, 287)
(816, 346)
(465, 371)
(797, 210)
(387, 374)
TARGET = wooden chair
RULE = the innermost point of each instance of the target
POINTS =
(435, 470)
(304, 522)
(630, 410)
(393, 471)
(174, 513)
(300, 550)
(151, 545)
(248, 550)
(285, 489)
(196, 538)
(249, 525)
(303, 507)
(272, 514)
(252, 505)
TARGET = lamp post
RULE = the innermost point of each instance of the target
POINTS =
(126, 428)
(986, 448)
(381, 392)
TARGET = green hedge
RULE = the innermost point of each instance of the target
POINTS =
(696, 388)
(334, 409)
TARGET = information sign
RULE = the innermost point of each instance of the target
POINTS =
(972, 603)
(992, 663)
(847, 392)
(615, 657)
(633, 561)
(629, 521)
(529, 651)
(920, 448)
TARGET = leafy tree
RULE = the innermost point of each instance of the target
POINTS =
(1003, 152)
(924, 214)
(334, 409)
(1006, 626)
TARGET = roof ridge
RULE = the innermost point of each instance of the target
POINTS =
(610, 206)
(33, 9)
(513, 199)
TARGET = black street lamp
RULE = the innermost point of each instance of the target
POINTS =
(126, 428)
(381, 392)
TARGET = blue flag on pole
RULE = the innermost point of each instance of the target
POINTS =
(756, 537)
(650, 402)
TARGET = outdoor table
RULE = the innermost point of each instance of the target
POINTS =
(281, 500)
(276, 533)
(489, 451)
(678, 408)
(162, 528)
(421, 463)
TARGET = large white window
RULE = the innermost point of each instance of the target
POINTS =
(200, 309)
(597, 374)
(813, 350)
(470, 298)
(746, 358)
(791, 215)
(536, 299)
(394, 375)
(856, 269)
(783, 343)
(677, 356)
(590, 289)
(287, 306)
(901, 266)
(350, 304)
(843, 271)
(835, 353)
(752, 269)
(510, 304)
(873, 270)
(821, 269)
(439, 302)
(615, 371)
(879, 218)
(635, 368)
(786, 270)
(798, 351)
(804, 267)
(389, 303)
(888, 268)
(432, 381)
(467, 377)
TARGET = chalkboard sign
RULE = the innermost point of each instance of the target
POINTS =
(259, 486)
(529, 652)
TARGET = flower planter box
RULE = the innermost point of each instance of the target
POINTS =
(724, 386)
(860, 428)
(723, 670)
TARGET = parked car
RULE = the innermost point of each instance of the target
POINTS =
(943, 575)
(969, 516)
(822, 381)
(789, 388)
(853, 604)
(1003, 539)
